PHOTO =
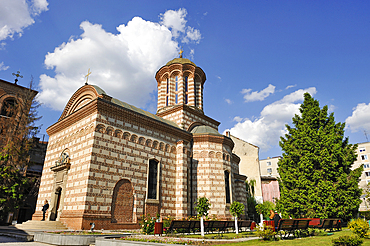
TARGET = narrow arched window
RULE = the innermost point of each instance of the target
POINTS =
(195, 94)
(186, 89)
(227, 186)
(176, 90)
(152, 179)
(8, 107)
(167, 90)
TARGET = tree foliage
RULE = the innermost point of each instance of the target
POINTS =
(16, 132)
(202, 206)
(237, 209)
(316, 179)
(264, 208)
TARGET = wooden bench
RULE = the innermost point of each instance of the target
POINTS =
(209, 225)
(300, 226)
(285, 226)
(330, 224)
(292, 226)
(184, 225)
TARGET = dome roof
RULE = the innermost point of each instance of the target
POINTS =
(205, 130)
(180, 61)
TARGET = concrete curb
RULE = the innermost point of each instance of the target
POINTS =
(64, 240)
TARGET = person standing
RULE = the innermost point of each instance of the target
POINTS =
(44, 208)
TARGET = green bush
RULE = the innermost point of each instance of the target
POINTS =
(359, 227)
(265, 232)
(147, 224)
(347, 241)
(264, 208)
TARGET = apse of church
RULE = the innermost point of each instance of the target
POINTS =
(109, 162)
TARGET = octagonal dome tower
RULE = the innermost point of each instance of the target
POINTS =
(180, 93)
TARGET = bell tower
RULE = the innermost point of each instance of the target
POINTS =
(180, 93)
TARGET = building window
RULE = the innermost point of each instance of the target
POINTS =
(186, 89)
(195, 94)
(362, 149)
(153, 179)
(367, 174)
(269, 163)
(176, 90)
(366, 165)
(167, 90)
(7, 108)
(269, 170)
(363, 157)
(227, 186)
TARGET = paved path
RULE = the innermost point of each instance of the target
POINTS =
(9, 241)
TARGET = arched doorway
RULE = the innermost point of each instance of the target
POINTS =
(122, 202)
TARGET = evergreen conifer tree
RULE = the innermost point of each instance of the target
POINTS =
(316, 179)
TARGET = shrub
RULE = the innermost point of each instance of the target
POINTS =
(265, 232)
(347, 241)
(264, 208)
(147, 224)
(359, 227)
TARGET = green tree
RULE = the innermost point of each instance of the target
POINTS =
(16, 131)
(236, 209)
(316, 179)
(251, 201)
(202, 207)
(264, 208)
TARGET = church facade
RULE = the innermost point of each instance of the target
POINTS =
(110, 163)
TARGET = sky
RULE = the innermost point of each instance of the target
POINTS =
(259, 57)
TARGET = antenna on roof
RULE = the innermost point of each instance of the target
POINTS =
(87, 76)
(366, 136)
(17, 75)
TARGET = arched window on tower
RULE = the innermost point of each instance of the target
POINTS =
(176, 90)
(167, 89)
(195, 93)
(7, 108)
(186, 89)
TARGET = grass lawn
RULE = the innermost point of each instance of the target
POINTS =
(311, 241)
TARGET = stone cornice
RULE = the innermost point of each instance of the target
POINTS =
(240, 177)
(190, 110)
(214, 139)
(182, 67)
(121, 113)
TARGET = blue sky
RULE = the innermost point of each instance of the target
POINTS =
(259, 56)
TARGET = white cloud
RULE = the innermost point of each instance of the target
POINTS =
(360, 118)
(192, 35)
(3, 67)
(228, 101)
(290, 86)
(175, 20)
(258, 96)
(237, 119)
(265, 131)
(15, 15)
(122, 64)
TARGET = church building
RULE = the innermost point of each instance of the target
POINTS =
(110, 163)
